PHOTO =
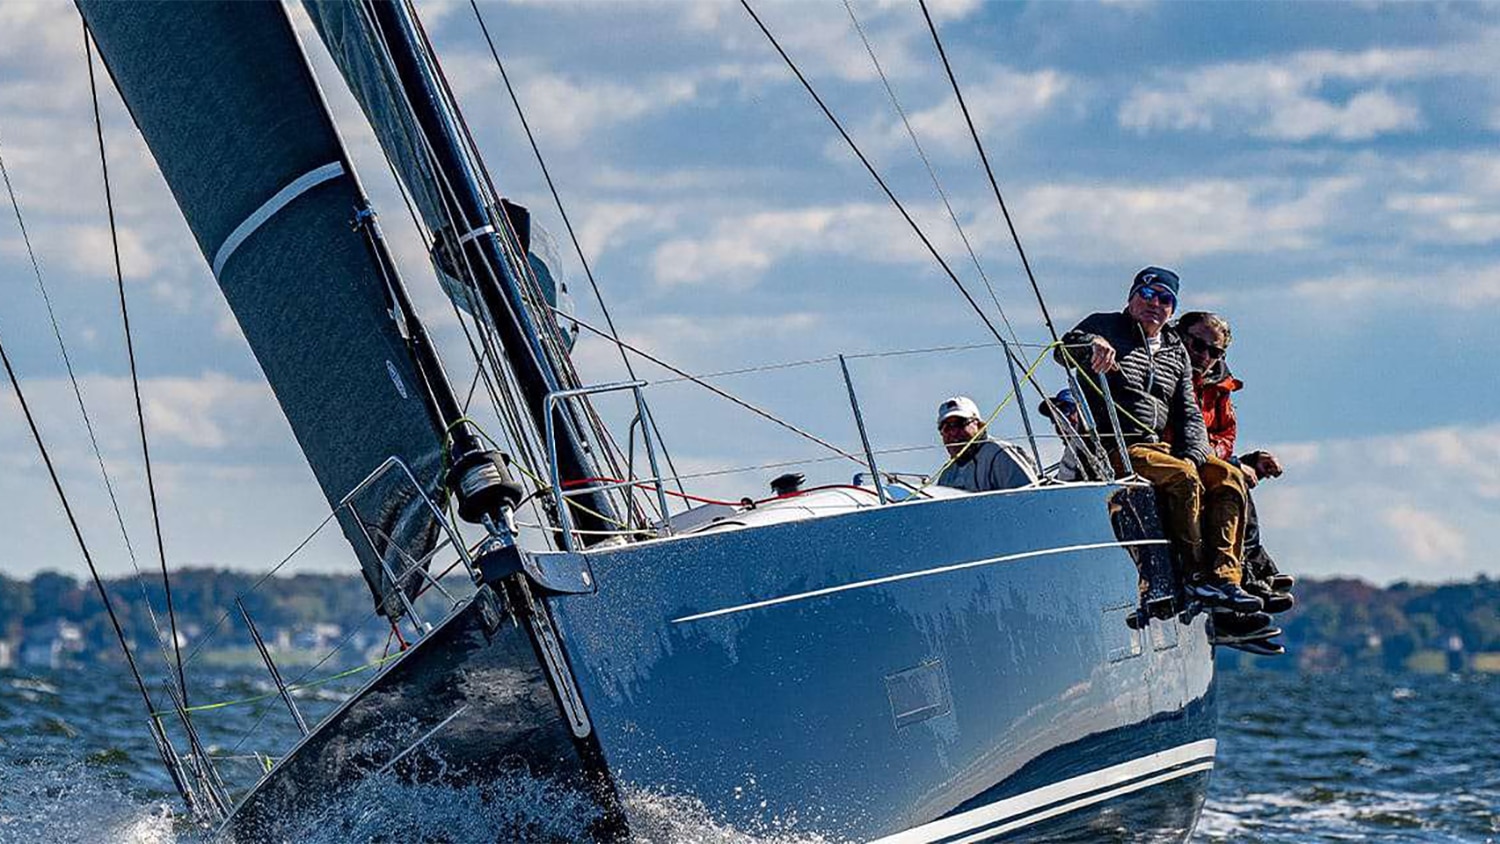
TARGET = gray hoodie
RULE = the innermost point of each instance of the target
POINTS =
(989, 465)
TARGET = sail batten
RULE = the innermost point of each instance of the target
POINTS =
(223, 96)
(299, 186)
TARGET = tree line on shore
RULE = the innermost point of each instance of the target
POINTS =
(1337, 623)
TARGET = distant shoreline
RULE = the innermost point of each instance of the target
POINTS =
(1338, 623)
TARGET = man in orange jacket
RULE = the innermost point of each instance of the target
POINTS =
(1207, 337)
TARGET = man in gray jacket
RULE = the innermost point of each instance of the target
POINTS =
(1151, 380)
(976, 462)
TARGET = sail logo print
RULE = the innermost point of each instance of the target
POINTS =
(396, 379)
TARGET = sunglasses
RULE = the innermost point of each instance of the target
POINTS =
(1156, 294)
(1205, 348)
(954, 422)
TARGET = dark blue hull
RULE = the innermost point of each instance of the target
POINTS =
(968, 669)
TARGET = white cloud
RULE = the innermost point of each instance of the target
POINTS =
(1182, 220)
(1001, 104)
(822, 39)
(565, 110)
(1092, 222)
(209, 412)
(738, 250)
(91, 251)
(607, 223)
(1417, 506)
(1430, 539)
(1447, 198)
(1364, 116)
(1291, 97)
(1459, 286)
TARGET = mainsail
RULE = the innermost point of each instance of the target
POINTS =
(223, 95)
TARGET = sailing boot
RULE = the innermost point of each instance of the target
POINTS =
(1265, 582)
(1223, 594)
(1273, 601)
(1234, 625)
(1259, 647)
(1260, 565)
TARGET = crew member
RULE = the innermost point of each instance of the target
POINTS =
(976, 462)
(1079, 461)
(1208, 336)
(1150, 379)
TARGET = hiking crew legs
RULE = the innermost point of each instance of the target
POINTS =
(1200, 504)
(1223, 519)
(1180, 493)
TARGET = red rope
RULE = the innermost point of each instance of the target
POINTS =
(700, 499)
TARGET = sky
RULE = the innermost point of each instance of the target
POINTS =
(1324, 175)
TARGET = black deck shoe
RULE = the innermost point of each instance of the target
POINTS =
(1275, 601)
(1281, 582)
(1228, 623)
(1259, 647)
(1278, 602)
(1225, 594)
(1230, 639)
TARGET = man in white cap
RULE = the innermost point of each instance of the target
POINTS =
(976, 462)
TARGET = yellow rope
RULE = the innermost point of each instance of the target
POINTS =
(205, 707)
(932, 479)
(1094, 385)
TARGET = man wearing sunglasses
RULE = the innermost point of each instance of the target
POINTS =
(1151, 380)
(976, 462)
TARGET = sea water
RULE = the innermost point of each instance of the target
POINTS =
(1302, 758)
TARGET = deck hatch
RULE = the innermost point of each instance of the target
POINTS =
(1164, 634)
(918, 693)
(1121, 640)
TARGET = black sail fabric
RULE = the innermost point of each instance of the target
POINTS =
(223, 96)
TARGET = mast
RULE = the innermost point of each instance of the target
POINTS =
(395, 79)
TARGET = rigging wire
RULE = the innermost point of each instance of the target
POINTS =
(545, 347)
(484, 360)
(135, 380)
(109, 607)
(884, 187)
(796, 364)
(911, 133)
(765, 414)
(1012, 360)
(989, 171)
(416, 135)
(553, 336)
(568, 224)
(88, 422)
(552, 187)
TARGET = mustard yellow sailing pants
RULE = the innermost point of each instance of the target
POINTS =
(1203, 508)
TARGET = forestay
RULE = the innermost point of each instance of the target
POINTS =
(223, 95)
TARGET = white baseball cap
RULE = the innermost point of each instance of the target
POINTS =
(958, 406)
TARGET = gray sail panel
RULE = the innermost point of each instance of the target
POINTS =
(225, 100)
(350, 36)
(353, 39)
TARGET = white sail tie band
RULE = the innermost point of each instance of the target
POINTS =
(302, 184)
(470, 235)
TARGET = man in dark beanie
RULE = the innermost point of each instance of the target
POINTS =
(1151, 380)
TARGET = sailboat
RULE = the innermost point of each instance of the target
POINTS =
(866, 663)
